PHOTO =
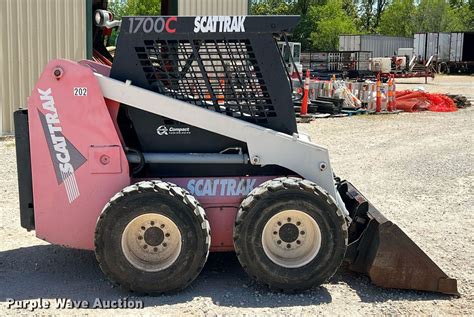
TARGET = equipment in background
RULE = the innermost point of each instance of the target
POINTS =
(452, 52)
(324, 65)
(381, 64)
(361, 65)
(188, 144)
(409, 52)
(291, 53)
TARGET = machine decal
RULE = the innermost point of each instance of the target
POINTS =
(65, 157)
(80, 91)
(220, 186)
(164, 130)
(152, 24)
(224, 24)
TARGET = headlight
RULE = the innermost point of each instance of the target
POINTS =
(104, 18)
(98, 18)
(101, 17)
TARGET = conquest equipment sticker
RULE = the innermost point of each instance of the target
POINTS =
(164, 130)
(65, 157)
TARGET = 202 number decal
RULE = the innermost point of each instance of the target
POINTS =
(80, 91)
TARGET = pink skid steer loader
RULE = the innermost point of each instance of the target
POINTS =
(186, 145)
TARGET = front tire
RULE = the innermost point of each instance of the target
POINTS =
(152, 237)
(290, 235)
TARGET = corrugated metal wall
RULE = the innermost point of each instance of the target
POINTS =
(444, 42)
(431, 45)
(456, 45)
(379, 45)
(446, 46)
(349, 43)
(32, 32)
(419, 45)
(212, 7)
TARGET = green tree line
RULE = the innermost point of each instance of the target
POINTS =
(322, 21)
(135, 7)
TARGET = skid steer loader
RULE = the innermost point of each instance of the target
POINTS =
(188, 145)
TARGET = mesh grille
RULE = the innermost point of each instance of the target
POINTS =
(220, 75)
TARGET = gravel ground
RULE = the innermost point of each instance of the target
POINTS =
(441, 83)
(415, 167)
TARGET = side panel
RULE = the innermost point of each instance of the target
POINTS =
(444, 40)
(467, 45)
(76, 156)
(455, 52)
(419, 45)
(431, 45)
(221, 198)
(383, 46)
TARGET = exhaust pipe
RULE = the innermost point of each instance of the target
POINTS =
(380, 249)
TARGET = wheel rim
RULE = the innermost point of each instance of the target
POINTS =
(151, 242)
(291, 238)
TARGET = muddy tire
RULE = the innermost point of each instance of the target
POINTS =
(290, 235)
(152, 237)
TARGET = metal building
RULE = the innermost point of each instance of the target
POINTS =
(212, 7)
(379, 45)
(34, 32)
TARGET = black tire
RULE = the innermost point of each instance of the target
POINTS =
(164, 199)
(271, 198)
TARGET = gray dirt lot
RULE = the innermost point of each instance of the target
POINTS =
(416, 168)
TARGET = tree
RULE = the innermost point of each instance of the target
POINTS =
(131, 8)
(117, 8)
(135, 7)
(284, 7)
(302, 7)
(302, 32)
(405, 17)
(470, 16)
(431, 16)
(370, 12)
(330, 21)
(350, 8)
(322, 21)
(270, 7)
(460, 16)
(397, 19)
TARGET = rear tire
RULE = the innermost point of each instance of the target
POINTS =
(152, 237)
(290, 235)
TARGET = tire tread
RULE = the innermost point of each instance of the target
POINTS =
(157, 186)
(265, 190)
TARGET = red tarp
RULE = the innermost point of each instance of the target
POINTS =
(410, 101)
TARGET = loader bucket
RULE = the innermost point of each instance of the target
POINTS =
(380, 249)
